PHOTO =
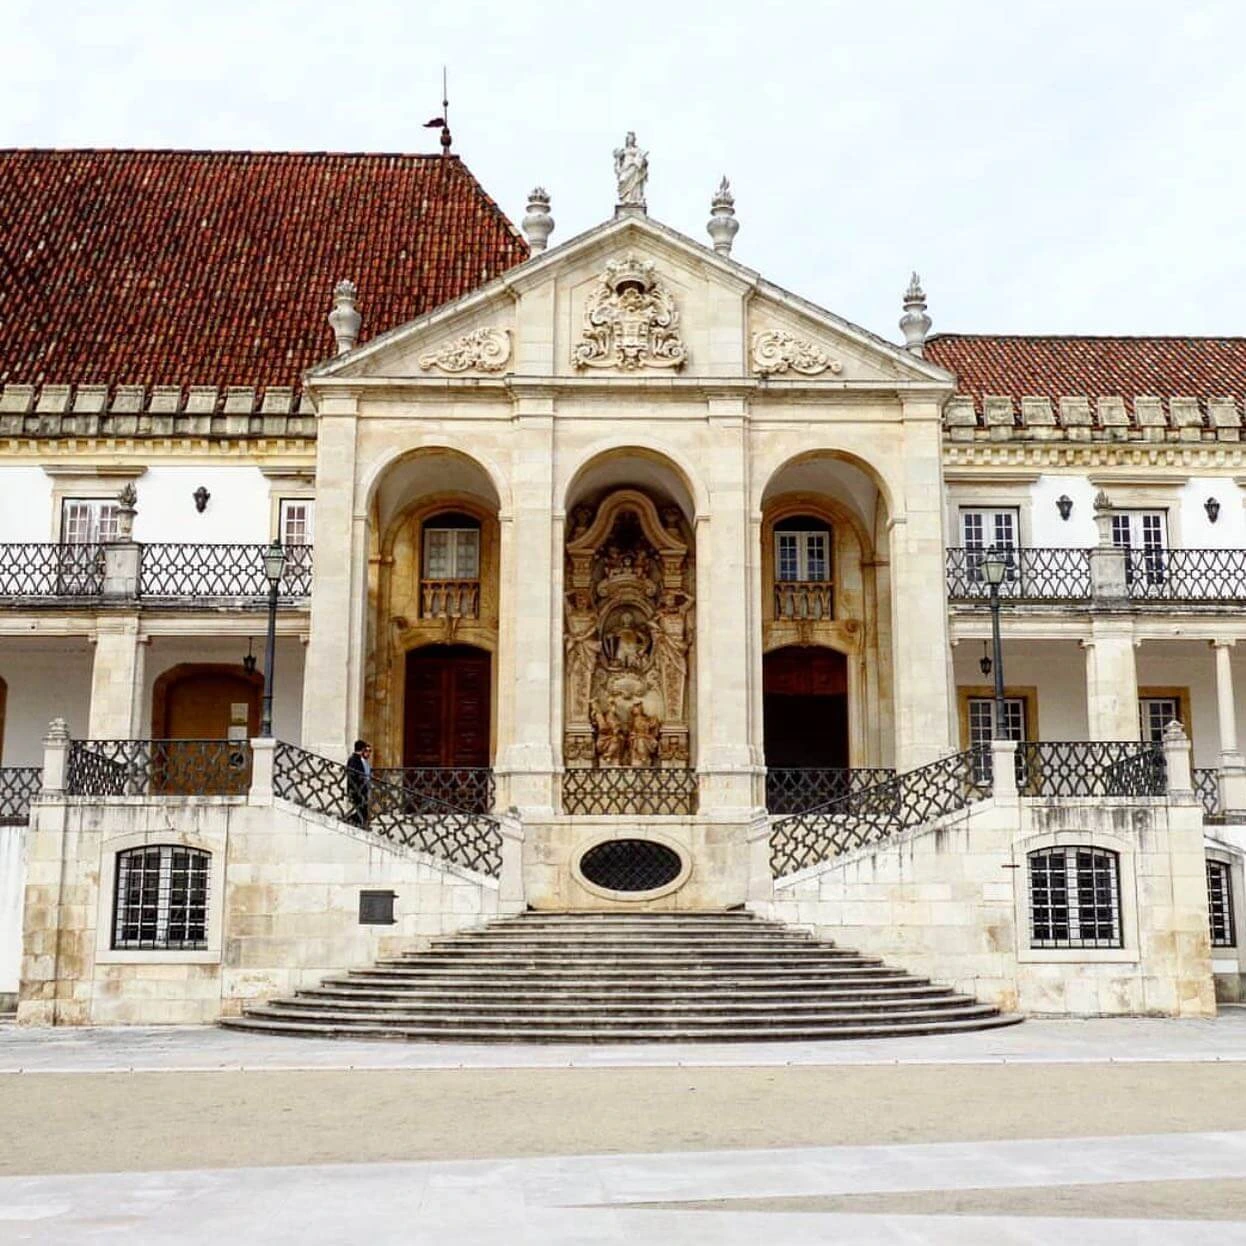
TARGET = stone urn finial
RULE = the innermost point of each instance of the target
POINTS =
(915, 323)
(722, 225)
(538, 224)
(344, 319)
(127, 508)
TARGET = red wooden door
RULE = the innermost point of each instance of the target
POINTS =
(447, 707)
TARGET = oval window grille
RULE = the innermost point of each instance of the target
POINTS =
(630, 865)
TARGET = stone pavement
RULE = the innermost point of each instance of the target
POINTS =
(1051, 1132)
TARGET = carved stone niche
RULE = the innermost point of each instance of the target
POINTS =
(628, 634)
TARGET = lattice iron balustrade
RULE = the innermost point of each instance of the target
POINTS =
(798, 789)
(185, 572)
(1090, 768)
(641, 790)
(395, 812)
(33, 572)
(797, 599)
(1032, 575)
(470, 788)
(19, 785)
(877, 812)
(1207, 787)
(450, 599)
(1186, 574)
(630, 865)
(158, 768)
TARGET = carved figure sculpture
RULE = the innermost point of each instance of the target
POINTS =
(643, 732)
(626, 643)
(631, 171)
(581, 648)
(607, 737)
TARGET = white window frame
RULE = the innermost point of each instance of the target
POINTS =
(1012, 706)
(286, 509)
(999, 527)
(1146, 730)
(803, 540)
(455, 553)
(1143, 534)
(96, 521)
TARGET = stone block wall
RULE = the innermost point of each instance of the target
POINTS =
(951, 902)
(283, 908)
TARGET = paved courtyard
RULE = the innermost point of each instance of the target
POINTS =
(1124, 1131)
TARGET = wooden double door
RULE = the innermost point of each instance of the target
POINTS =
(805, 707)
(446, 707)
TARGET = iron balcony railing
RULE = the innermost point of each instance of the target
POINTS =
(1207, 788)
(1186, 575)
(158, 768)
(19, 785)
(170, 574)
(1090, 768)
(634, 790)
(1032, 575)
(797, 789)
(470, 788)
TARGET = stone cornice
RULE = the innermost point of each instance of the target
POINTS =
(1190, 457)
(44, 452)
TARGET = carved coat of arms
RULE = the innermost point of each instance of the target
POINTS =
(630, 321)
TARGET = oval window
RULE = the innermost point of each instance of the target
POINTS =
(630, 865)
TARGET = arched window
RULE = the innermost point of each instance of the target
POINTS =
(450, 576)
(1075, 898)
(161, 898)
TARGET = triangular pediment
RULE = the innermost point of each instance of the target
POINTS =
(632, 298)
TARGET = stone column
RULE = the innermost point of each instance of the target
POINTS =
(920, 642)
(724, 658)
(1232, 766)
(1111, 680)
(117, 679)
(530, 617)
(330, 699)
(1177, 765)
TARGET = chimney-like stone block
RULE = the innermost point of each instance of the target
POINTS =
(1225, 419)
(127, 399)
(53, 400)
(278, 400)
(201, 400)
(16, 399)
(239, 400)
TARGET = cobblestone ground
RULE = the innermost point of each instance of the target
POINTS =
(1051, 1132)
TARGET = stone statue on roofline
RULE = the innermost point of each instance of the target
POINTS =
(631, 169)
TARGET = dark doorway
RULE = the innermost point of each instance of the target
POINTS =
(805, 707)
(446, 720)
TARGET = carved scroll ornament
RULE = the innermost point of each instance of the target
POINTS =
(482, 350)
(630, 321)
(776, 351)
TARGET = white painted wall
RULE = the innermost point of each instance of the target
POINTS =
(239, 508)
(12, 888)
(1197, 531)
(168, 651)
(1047, 530)
(1055, 668)
(46, 678)
(1191, 664)
(25, 504)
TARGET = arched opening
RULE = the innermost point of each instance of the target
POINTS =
(434, 576)
(805, 692)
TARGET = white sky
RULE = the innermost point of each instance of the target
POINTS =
(1047, 167)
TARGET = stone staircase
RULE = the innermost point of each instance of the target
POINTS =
(624, 977)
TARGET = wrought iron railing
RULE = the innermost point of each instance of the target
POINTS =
(391, 810)
(50, 572)
(158, 768)
(801, 599)
(904, 801)
(1207, 787)
(19, 785)
(638, 790)
(186, 572)
(1090, 768)
(450, 599)
(1032, 575)
(798, 789)
(1186, 574)
(470, 788)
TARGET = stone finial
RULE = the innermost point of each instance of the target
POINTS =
(538, 224)
(1102, 501)
(58, 730)
(722, 225)
(127, 508)
(915, 323)
(344, 320)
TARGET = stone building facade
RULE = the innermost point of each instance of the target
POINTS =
(623, 554)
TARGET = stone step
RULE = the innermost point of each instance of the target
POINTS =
(804, 1031)
(680, 976)
(642, 991)
(637, 938)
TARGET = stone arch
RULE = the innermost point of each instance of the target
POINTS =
(692, 495)
(876, 475)
(393, 458)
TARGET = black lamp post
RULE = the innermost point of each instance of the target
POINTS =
(274, 565)
(995, 564)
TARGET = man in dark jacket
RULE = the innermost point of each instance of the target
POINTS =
(359, 783)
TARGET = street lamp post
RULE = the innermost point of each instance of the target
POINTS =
(995, 564)
(274, 565)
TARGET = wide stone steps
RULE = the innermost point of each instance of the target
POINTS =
(624, 977)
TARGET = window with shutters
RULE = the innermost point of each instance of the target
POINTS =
(1075, 898)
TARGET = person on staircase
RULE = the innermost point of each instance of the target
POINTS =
(359, 783)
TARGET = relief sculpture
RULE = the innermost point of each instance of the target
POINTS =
(627, 635)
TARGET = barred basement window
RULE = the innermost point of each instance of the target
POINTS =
(1220, 904)
(161, 899)
(1075, 898)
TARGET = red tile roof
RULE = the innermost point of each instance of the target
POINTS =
(1055, 367)
(218, 268)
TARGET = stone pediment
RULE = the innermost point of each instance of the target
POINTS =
(631, 298)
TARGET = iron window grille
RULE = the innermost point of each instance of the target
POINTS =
(1220, 904)
(161, 898)
(631, 865)
(1075, 899)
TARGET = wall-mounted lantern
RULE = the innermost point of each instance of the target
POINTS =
(1064, 504)
(248, 662)
(984, 662)
(1212, 507)
(201, 496)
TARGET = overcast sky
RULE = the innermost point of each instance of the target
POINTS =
(1047, 167)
